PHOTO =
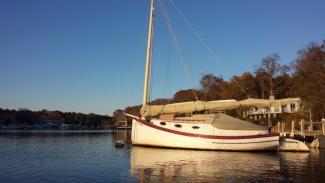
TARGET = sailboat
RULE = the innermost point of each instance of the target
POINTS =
(165, 126)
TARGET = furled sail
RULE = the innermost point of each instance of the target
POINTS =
(265, 102)
(255, 102)
(218, 105)
(186, 107)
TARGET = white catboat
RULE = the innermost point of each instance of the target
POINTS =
(203, 131)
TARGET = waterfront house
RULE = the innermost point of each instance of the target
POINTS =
(273, 108)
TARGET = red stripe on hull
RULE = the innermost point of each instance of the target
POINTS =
(206, 136)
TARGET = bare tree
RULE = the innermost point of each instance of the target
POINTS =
(267, 71)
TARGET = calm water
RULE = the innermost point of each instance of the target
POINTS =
(52, 156)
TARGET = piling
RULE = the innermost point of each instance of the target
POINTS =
(323, 126)
(292, 128)
(311, 126)
(302, 128)
(282, 129)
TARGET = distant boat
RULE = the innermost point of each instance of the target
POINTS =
(119, 144)
(160, 126)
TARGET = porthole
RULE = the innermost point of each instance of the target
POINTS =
(195, 127)
(178, 126)
(163, 123)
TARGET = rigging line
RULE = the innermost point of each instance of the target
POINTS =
(166, 81)
(176, 44)
(204, 44)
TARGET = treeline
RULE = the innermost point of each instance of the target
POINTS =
(25, 117)
(304, 78)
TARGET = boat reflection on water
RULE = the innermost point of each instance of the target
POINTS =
(171, 165)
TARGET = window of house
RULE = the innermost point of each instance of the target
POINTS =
(292, 107)
(267, 109)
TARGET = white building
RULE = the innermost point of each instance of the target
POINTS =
(273, 107)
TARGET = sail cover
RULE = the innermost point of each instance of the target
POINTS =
(186, 107)
(218, 105)
(265, 102)
(255, 102)
(226, 122)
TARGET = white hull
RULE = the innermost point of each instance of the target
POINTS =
(207, 138)
(293, 145)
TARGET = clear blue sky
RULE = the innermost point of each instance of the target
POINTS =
(88, 55)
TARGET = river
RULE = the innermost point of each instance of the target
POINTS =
(91, 156)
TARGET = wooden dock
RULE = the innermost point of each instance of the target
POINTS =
(306, 129)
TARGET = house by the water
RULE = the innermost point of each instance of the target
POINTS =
(273, 107)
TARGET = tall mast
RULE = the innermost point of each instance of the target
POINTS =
(148, 57)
